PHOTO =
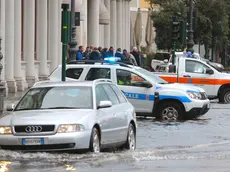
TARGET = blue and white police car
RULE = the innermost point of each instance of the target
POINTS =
(149, 94)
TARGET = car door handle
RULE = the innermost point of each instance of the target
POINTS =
(187, 76)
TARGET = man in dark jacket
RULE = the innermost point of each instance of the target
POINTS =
(86, 53)
(104, 53)
(95, 54)
(110, 53)
(119, 54)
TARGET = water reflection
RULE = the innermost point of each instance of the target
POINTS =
(4, 166)
(68, 168)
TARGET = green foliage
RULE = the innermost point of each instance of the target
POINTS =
(212, 23)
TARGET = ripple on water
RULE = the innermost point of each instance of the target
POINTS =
(97, 159)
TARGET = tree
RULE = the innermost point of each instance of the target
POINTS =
(212, 23)
(162, 20)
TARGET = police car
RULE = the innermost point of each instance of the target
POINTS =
(150, 95)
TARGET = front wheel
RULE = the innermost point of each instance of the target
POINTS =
(131, 138)
(95, 145)
(171, 111)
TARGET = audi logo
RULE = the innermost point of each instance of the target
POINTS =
(33, 129)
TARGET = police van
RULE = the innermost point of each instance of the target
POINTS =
(149, 94)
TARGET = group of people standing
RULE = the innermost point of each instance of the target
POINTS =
(98, 53)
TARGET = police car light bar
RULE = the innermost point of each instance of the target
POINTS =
(112, 59)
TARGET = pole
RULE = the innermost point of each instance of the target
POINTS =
(190, 43)
(2, 87)
(64, 38)
(73, 50)
(173, 52)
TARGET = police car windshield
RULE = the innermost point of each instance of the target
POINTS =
(152, 76)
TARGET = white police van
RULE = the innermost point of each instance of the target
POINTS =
(149, 94)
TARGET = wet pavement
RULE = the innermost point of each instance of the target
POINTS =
(192, 146)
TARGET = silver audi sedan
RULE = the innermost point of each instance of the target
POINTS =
(54, 116)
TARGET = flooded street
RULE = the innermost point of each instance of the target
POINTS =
(200, 145)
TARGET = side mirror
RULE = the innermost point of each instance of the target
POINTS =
(104, 104)
(10, 107)
(209, 71)
(166, 61)
(147, 84)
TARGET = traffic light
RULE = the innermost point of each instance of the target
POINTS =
(184, 32)
(175, 31)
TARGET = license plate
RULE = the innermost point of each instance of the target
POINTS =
(208, 106)
(39, 141)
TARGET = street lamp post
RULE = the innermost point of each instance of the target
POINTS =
(2, 87)
(72, 49)
(190, 42)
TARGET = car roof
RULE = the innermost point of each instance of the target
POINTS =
(86, 63)
(69, 83)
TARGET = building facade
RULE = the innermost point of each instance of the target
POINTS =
(31, 35)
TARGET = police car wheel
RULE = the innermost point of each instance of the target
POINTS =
(171, 111)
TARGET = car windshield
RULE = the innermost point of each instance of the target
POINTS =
(56, 98)
(152, 76)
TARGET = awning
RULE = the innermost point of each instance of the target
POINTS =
(104, 16)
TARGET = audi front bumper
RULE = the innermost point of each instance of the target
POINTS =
(57, 142)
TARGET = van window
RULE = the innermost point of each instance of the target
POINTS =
(74, 73)
(98, 73)
(127, 78)
(195, 67)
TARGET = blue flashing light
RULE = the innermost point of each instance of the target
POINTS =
(189, 54)
(112, 59)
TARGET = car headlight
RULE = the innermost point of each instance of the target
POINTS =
(68, 128)
(194, 95)
(5, 130)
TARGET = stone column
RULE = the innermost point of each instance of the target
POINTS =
(107, 27)
(53, 32)
(9, 49)
(29, 40)
(113, 23)
(128, 18)
(17, 44)
(85, 23)
(42, 38)
(93, 23)
(124, 23)
(2, 32)
(119, 24)
(78, 7)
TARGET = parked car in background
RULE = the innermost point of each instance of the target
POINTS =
(55, 116)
